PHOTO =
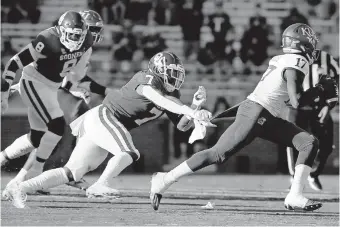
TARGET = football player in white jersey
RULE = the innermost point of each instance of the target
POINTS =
(259, 116)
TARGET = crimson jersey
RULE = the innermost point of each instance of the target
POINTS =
(59, 59)
(132, 109)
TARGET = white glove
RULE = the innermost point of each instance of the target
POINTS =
(81, 93)
(200, 97)
(202, 115)
(4, 101)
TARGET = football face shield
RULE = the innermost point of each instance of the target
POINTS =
(73, 30)
(300, 39)
(94, 24)
(169, 67)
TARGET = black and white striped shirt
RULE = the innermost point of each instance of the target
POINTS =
(329, 66)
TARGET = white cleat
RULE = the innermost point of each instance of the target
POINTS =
(102, 191)
(81, 184)
(158, 186)
(17, 196)
(5, 193)
(300, 203)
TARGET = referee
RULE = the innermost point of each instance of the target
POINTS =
(317, 121)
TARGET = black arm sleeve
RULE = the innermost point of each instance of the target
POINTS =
(94, 86)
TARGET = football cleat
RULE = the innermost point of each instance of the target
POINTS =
(16, 195)
(102, 191)
(309, 206)
(81, 184)
(158, 186)
(315, 183)
(300, 203)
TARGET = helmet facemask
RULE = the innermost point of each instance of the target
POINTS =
(174, 77)
(96, 32)
(72, 38)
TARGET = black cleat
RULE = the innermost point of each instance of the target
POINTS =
(155, 200)
(310, 206)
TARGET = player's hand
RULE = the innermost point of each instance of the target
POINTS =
(13, 89)
(4, 101)
(200, 97)
(84, 85)
(81, 93)
(323, 114)
(202, 115)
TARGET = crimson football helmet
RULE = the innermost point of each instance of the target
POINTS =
(168, 67)
(73, 30)
(301, 39)
(94, 23)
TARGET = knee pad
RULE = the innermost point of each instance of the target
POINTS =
(57, 126)
(304, 142)
(307, 145)
(135, 155)
(35, 137)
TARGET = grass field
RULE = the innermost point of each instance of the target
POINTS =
(239, 200)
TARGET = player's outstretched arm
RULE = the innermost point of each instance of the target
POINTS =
(160, 100)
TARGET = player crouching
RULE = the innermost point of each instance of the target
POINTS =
(105, 128)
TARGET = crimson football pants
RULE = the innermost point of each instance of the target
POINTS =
(309, 121)
(252, 120)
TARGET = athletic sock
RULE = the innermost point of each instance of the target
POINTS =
(20, 177)
(182, 170)
(48, 179)
(114, 167)
(19, 147)
(300, 178)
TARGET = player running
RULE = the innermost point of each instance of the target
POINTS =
(147, 96)
(259, 116)
(72, 94)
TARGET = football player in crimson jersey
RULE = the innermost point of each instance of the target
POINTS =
(259, 116)
(70, 95)
(105, 128)
(51, 56)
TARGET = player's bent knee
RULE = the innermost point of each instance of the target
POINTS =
(69, 173)
(135, 155)
(75, 173)
(304, 142)
(57, 126)
(35, 137)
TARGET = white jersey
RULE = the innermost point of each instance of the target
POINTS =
(271, 92)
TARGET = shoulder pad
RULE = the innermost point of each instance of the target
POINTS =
(47, 42)
(145, 78)
(294, 61)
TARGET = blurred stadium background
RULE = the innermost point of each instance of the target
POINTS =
(225, 46)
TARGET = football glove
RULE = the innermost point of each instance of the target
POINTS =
(200, 97)
(202, 115)
(330, 90)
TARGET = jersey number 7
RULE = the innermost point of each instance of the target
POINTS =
(270, 69)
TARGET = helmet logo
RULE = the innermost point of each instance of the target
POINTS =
(310, 35)
(159, 62)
